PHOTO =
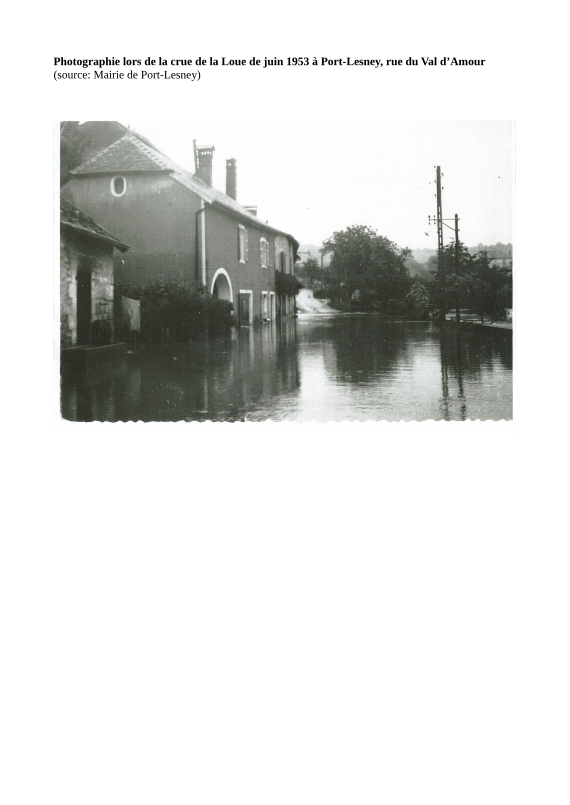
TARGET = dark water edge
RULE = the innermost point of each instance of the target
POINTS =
(323, 368)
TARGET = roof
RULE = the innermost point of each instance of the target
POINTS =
(132, 153)
(126, 155)
(72, 218)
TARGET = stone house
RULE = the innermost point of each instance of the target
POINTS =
(179, 227)
(86, 279)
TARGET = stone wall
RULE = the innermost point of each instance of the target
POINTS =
(80, 250)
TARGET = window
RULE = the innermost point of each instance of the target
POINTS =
(282, 263)
(263, 252)
(243, 250)
(264, 310)
(118, 186)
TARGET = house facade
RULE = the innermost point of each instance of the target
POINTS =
(179, 227)
(86, 279)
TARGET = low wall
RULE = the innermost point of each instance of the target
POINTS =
(88, 357)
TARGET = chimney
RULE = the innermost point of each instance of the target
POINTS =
(203, 156)
(251, 210)
(231, 178)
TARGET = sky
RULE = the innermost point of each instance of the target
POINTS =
(314, 178)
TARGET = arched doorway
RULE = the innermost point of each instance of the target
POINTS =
(221, 285)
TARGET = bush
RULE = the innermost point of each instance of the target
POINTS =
(323, 293)
(287, 284)
(175, 310)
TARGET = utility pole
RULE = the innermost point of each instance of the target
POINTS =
(457, 311)
(440, 220)
(440, 259)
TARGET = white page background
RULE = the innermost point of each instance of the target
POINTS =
(277, 613)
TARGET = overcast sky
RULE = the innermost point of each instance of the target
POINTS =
(313, 178)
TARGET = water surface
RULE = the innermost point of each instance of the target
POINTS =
(346, 367)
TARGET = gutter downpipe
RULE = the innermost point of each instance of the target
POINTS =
(201, 244)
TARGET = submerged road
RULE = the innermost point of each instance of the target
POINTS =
(306, 303)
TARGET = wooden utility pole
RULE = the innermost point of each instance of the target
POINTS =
(457, 310)
(440, 220)
(439, 214)
(440, 258)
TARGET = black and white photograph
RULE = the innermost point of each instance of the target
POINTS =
(326, 271)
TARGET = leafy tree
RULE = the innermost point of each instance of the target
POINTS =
(482, 283)
(310, 270)
(77, 141)
(490, 286)
(287, 284)
(418, 298)
(447, 287)
(370, 263)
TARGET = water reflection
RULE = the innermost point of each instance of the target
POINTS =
(329, 368)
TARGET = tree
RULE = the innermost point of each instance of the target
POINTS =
(448, 288)
(77, 141)
(287, 284)
(370, 263)
(490, 285)
(310, 270)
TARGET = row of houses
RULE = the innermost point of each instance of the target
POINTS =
(131, 214)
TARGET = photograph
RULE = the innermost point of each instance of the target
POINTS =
(327, 271)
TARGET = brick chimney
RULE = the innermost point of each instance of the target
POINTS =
(204, 155)
(231, 178)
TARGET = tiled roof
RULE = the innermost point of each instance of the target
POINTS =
(125, 155)
(130, 153)
(73, 218)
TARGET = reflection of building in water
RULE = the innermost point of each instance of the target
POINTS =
(101, 394)
(261, 366)
(256, 373)
(222, 379)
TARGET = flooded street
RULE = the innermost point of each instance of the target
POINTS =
(345, 367)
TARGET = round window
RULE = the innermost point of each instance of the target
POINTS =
(118, 186)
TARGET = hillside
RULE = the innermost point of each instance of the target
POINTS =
(312, 250)
(496, 250)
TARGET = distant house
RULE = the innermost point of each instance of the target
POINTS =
(86, 278)
(181, 228)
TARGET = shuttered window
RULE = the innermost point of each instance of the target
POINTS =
(241, 244)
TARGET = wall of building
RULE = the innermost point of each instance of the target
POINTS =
(73, 248)
(156, 217)
(285, 304)
(222, 252)
(282, 243)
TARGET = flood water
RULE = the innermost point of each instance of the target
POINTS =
(345, 367)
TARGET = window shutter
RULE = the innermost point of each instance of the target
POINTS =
(246, 246)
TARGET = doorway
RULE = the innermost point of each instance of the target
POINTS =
(84, 301)
(245, 308)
